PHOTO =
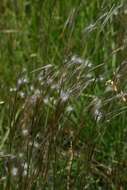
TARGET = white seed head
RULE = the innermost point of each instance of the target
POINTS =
(98, 115)
(36, 144)
(22, 94)
(37, 92)
(55, 86)
(22, 81)
(77, 60)
(69, 109)
(13, 89)
(25, 132)
(20, 155)
(64, 96)
(1, 102)
(49, 81)
(14, 171)
(24, 172)
(32, 88)
(125, 11)
(46, 100)
(25, 165)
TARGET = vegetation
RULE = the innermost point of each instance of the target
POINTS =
(63, 95)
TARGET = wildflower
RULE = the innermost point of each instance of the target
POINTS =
(111, 86)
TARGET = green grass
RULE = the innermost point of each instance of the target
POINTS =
(63, 95)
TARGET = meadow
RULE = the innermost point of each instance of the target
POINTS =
(63, 95)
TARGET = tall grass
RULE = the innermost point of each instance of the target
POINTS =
(63, 95)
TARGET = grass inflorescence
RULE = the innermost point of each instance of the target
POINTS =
(63, 96)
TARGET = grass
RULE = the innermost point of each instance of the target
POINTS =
(63, 95)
